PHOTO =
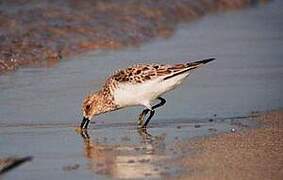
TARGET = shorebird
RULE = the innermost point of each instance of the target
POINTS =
(137, 85)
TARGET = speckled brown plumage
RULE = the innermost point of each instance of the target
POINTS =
(142, 72)
(103, 99)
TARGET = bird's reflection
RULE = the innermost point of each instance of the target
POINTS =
(124, 160)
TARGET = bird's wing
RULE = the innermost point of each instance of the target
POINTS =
(183, 68)
(144, 72)
(140, 73)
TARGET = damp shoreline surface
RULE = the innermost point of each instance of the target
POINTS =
(191, 149)
(41, 33)
(250, 154)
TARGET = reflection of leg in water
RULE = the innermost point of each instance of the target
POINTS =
(146, 137)
(84, 134)
(122, 160)
(152, 144)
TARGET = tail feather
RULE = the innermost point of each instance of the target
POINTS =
(190, 66)
(204, 61)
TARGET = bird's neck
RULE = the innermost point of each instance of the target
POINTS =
(105, 100)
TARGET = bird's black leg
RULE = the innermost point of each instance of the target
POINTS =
(162, 102)
(141, 123)
(149, 118)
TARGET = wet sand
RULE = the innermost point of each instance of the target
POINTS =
(250, 154)
(41, 33)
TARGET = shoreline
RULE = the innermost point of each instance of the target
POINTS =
(248, 154)
(43, 33)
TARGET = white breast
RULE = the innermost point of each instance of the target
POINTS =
(142, 94)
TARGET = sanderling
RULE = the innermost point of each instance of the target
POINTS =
(140, 84)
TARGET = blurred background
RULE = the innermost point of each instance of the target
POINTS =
(45, 31)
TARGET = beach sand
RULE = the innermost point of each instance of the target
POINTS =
(251, 154)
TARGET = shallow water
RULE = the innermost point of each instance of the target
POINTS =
(39, 107)
(115, 150)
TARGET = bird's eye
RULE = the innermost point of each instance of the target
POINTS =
(87, 106)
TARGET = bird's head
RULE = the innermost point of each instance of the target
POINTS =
(90, 108)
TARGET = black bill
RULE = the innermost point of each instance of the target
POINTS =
(85, 123)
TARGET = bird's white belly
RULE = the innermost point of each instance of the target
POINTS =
(144, 93)
(137, 94)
